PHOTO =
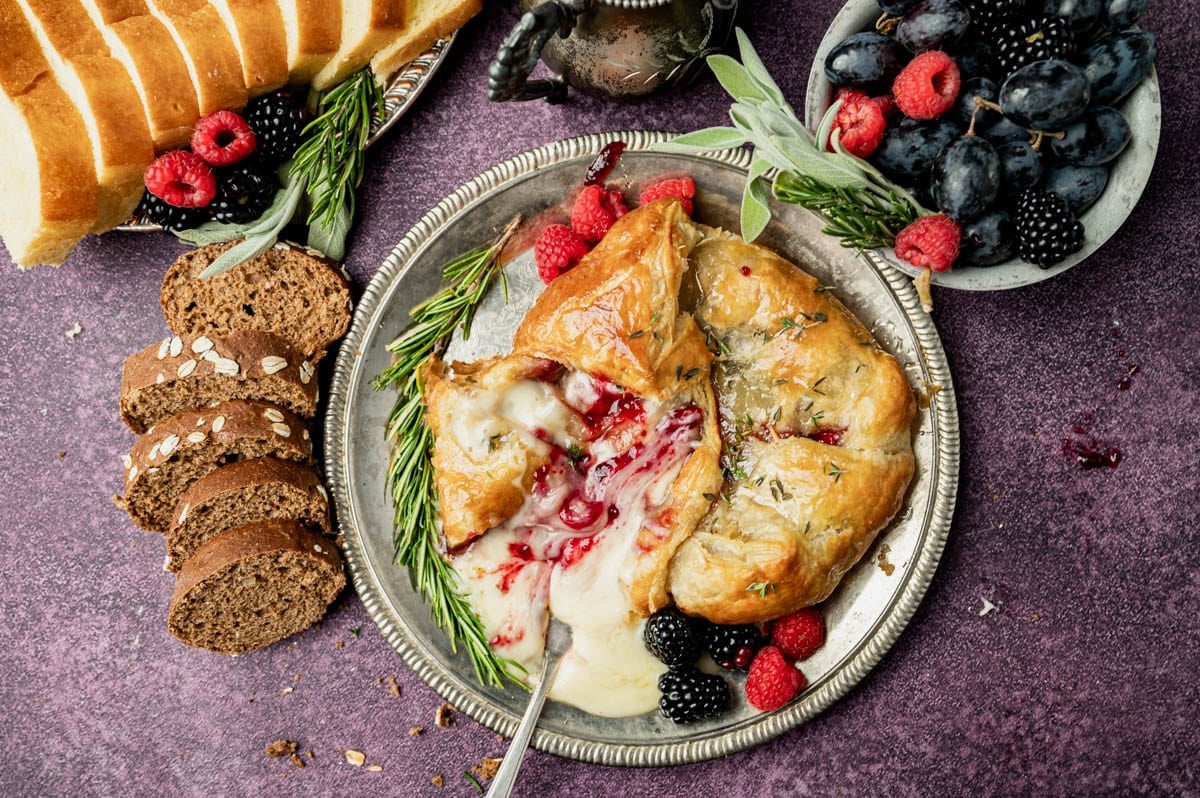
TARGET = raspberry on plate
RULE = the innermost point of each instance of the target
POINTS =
(800, 634)
(558, 249)
(681, 188)
(928, 86)
(596, 209)
(182, 179)
(773, 681)
(930, 242)
(223, 138)
(860, 122)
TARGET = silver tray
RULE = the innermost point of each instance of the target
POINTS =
(401, 92)
(864, 616)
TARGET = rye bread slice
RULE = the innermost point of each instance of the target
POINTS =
(290, 291)
(197, 371)
(239, 493)
(253, 585)
(178, 450)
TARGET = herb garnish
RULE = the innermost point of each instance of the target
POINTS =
(835, 472)
(418, 546)
(762, 588)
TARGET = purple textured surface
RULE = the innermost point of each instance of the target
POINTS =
(1083, 681)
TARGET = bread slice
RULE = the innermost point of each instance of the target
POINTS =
(290, 291)
(208, 49)
(159, 72)
(178, 450)
(428, 21)
(367, 25)
(48, 176)
(242, 492)
(314, 31)
(253, 585)
(100, 87)
(256, 27)
(197, 371)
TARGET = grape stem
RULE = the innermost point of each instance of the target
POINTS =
(1035, 136)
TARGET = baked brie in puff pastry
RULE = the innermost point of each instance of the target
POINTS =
(682, 415)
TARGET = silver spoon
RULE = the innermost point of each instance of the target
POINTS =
(558, 640)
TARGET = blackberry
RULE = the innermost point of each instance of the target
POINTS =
(1023, 41)
(277, 123)
(243, 193)
(670, 637)
(987, 12)
(689, 695)
(1047, 231)
(155, 209)
(732, 647)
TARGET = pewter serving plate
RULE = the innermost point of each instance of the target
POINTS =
(864, 616)
(1127, 175)
(401, 92)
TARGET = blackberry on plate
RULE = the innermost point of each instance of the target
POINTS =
(1023, 41)
(689, 695)
(670, 637)
(732, 647)
(277, 122)
(985, 12)
(242, 195)
(170, 217)
(1047, 231)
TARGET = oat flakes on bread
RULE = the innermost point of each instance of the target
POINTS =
(165, 461)
(180, 373)
(287, 290)
(260, 489)
(253, 585)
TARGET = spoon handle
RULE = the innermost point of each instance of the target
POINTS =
(506, 776)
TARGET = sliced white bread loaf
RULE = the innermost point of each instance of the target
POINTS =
(253, 585)
(48, 190)
(178, 450)
(198, 371)
(209, 51)
(256, 27)
(100, 87)
(314, 31)
(144, 45)
(243, 492)
(367, 25)
(428, 21)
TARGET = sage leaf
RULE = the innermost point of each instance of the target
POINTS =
(262, 236)
(757, 71)
(331, 239)
(756, 210)
(734, 79)
(706, 140)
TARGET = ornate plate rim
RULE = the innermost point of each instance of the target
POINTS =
(856, 664)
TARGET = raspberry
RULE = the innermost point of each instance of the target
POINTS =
(681, 188)
(928, 86)
(182, 179)
(558, 249)
(773, 681)
(860, 122)
(800, 634)
(223, 138)
(930, 242)
(670, 637)
(595, 210)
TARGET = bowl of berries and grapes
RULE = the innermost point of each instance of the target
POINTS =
(1024, 129)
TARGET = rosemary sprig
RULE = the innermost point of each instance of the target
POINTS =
(331, 158)
(860, 205)
(418, 545)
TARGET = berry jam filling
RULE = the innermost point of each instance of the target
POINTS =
(600, 168)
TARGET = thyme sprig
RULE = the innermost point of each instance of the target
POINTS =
(861, 206)
(418, 545)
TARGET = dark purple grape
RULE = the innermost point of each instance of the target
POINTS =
(933, 25)
(1080, 186)
(1081, 15)
(1045, 95)
(907, 150)
(1100, 135)
(987, 240)
(866, 61)
(1117, 63)
(965, 106)
(965, 178)
(1005, 130)
(975, 59)
(1020, 166)
(1121, 14)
